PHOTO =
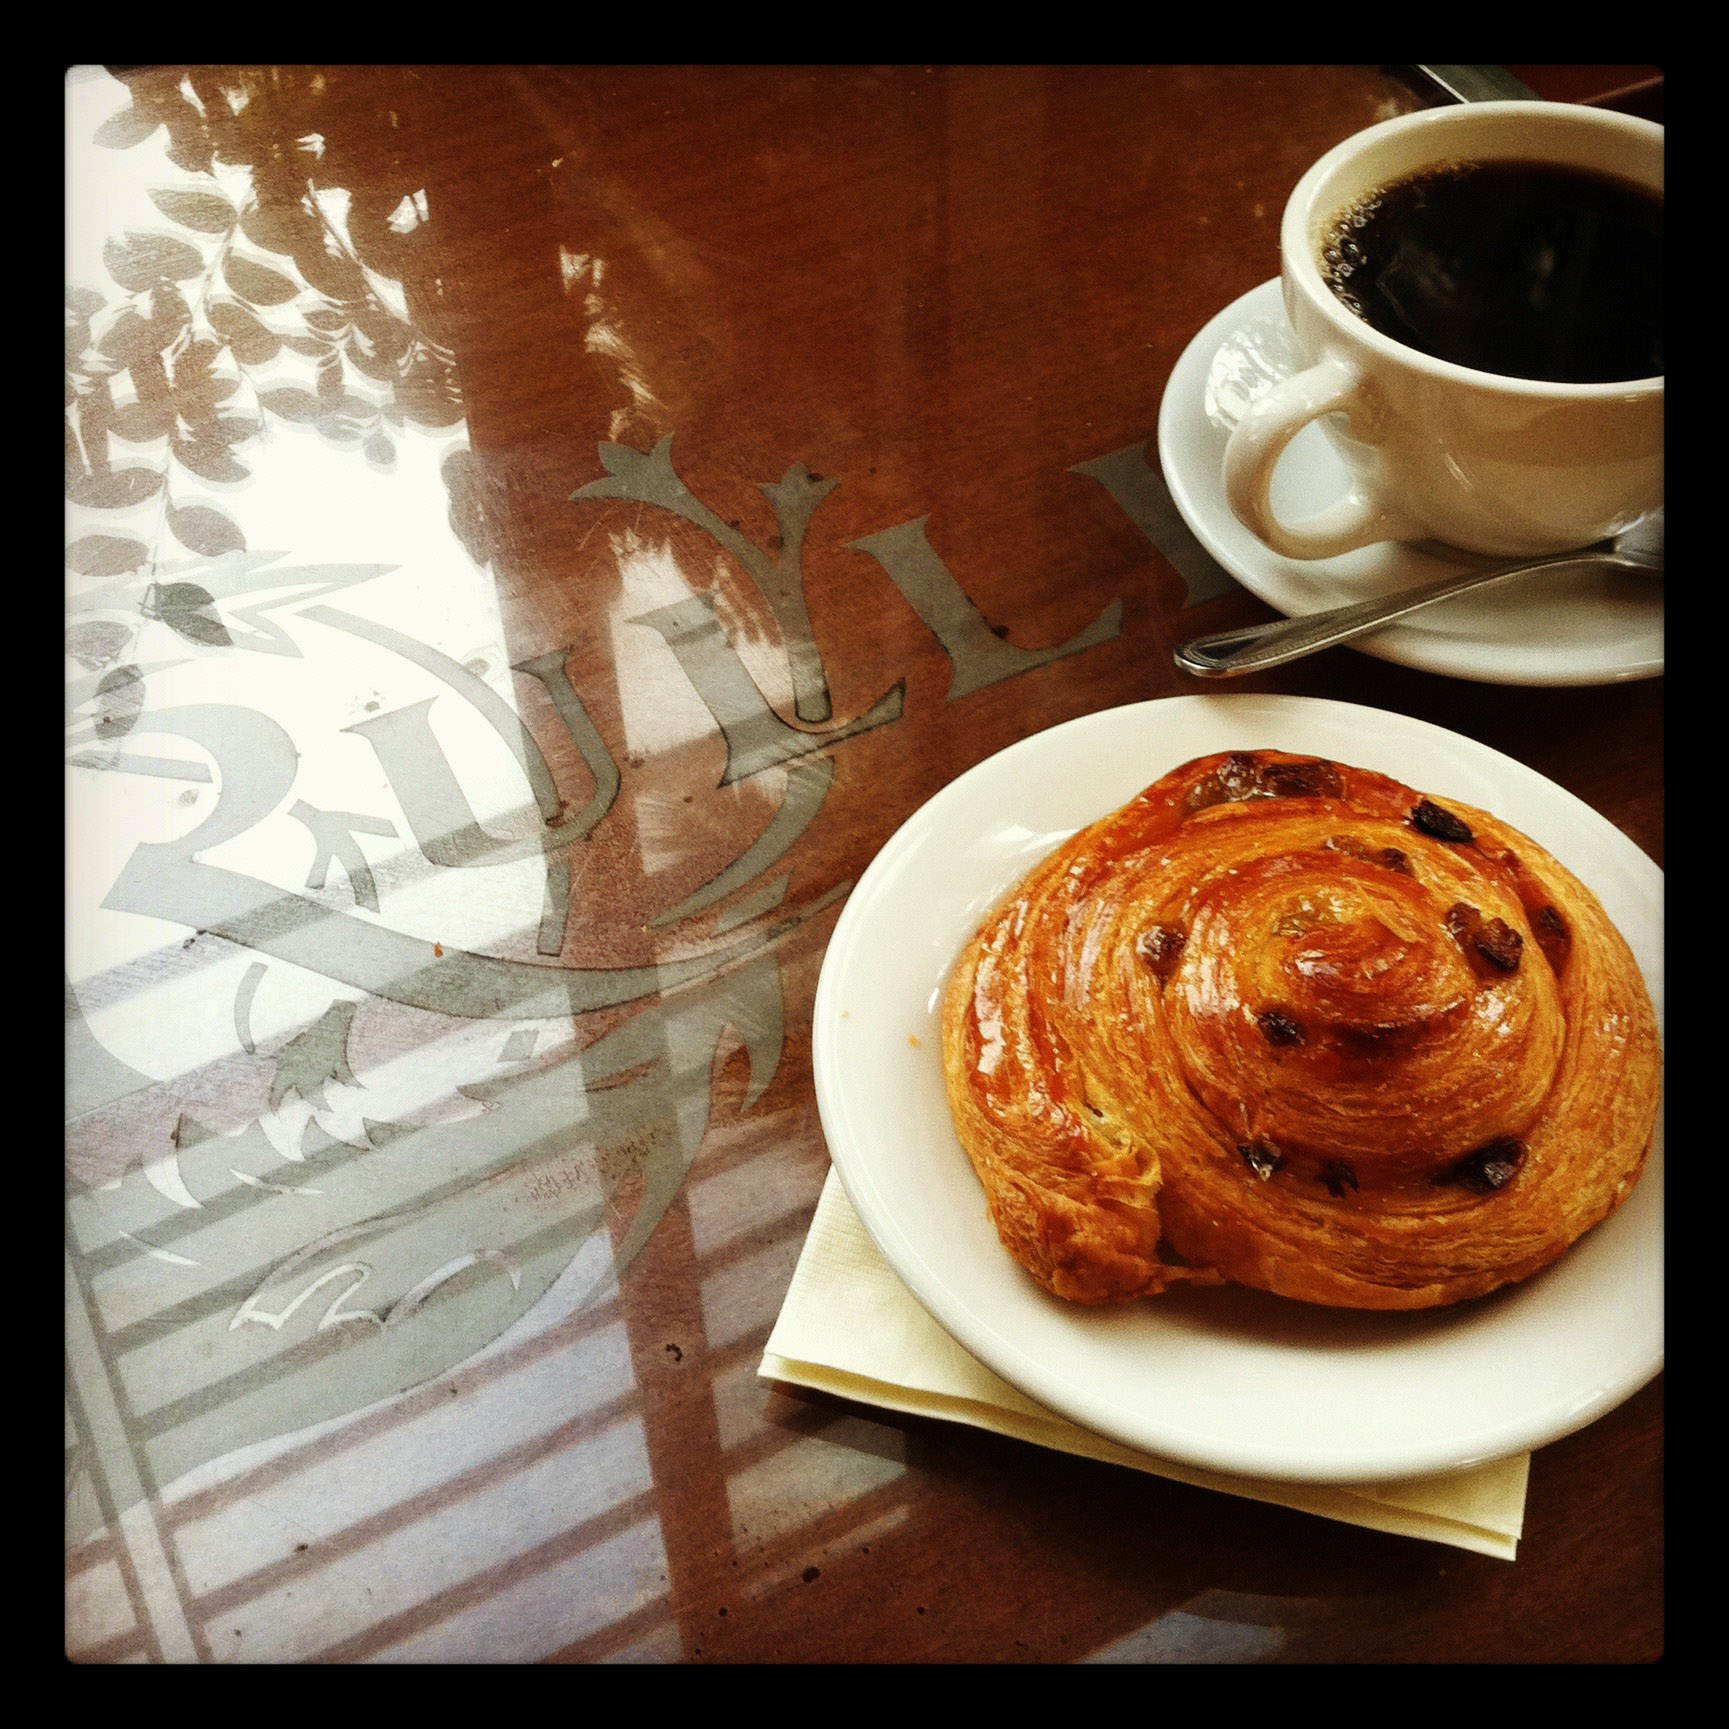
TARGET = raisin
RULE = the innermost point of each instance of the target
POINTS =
(1487, 1169)
(1553, 937)
(1485, 940)
(1317, 779)
(1262, 1157)
(1161, 947)
(1463, 921)
(1336, 1174)
(1389, 857)
(1278, 1028)
(1238, 776)
(1235, 778)
(1497, 941)
(1442, 824)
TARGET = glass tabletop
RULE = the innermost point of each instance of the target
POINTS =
(532, 536)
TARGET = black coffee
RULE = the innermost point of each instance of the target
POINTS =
(1520, 268)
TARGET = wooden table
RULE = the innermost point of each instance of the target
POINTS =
(535, 533)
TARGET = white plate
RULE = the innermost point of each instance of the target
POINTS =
(1568, 628)
(1228, 1379)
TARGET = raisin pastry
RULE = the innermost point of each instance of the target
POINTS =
(1287, 1023)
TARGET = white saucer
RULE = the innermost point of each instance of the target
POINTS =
(1570, 628)
(1229, 1379)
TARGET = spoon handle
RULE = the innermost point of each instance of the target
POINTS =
(1259, 646)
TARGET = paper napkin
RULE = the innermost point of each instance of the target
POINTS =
(849, 1326)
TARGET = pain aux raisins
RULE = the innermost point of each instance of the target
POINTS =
(1326, 1096)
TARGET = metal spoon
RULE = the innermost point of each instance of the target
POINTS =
(1259, 646)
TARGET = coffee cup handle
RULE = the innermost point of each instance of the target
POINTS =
(1258, 441)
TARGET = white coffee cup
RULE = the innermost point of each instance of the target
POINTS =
(1434, 450)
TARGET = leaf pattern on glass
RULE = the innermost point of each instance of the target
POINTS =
(430, 400)
(338, 428)
(249, 341)
(141, 261)
(331, 273)
(277, 227)
(82, 307)
(228, 429)
(201, 529)
(193, 153)
(300, 406)
(197, 387)
(470, 521)
(135, 336)
(149, 379)
(208, 212)
(105, 555)
(209, 461)
(117, 491)
(142, 422)
(258, 283)
(130, 126)
(188, 610)
(119, 701)
(95, 642)
(305, 280)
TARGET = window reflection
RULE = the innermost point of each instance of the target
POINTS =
(378, 1073)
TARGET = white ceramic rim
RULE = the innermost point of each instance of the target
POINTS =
(881, 1126)
(1303, 217)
